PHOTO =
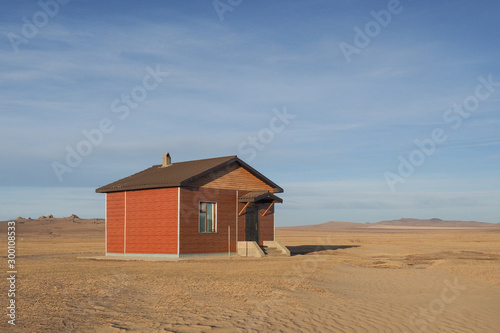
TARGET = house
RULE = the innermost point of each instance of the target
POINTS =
(203, 207)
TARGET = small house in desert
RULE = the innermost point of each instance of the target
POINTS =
(202, 207)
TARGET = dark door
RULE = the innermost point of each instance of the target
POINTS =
(252, 225)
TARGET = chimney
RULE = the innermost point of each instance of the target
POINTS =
(167, 161)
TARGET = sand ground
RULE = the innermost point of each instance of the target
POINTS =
(363, 280)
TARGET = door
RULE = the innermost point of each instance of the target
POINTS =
(252, 225)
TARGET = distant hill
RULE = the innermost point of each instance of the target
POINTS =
(55, 226)
(404, 222)
(51, 219)
(434, 222)
(328, 226)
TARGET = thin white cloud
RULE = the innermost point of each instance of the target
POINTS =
(225, 78)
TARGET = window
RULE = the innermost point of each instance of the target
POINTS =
(207, 216)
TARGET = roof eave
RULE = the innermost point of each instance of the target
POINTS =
(135, 188)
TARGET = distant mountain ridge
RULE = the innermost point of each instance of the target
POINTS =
(434, 222)
(403, 222)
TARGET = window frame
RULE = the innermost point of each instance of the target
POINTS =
(214, 219)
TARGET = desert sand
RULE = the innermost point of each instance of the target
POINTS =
(342, 278)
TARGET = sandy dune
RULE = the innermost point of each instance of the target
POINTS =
(339, 280)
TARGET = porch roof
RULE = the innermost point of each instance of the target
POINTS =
(257, 196)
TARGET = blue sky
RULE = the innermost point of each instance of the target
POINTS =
(360, 81)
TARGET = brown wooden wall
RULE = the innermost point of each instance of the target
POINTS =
(115, 217)
(191, 240)
(149, 225)
(233, 177)
(266, 223)
(241, 219)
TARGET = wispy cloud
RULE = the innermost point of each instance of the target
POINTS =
(226, 77)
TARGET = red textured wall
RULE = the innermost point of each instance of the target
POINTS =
(152, 221)
(115, 210)
(150, 225)
(191, 240)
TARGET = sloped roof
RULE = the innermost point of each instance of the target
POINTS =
(179, 174)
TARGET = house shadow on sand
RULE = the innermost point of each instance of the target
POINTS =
(316, 249)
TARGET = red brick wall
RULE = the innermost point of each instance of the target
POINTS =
(115, 217)
(191, 240)
(152, 221)
(150, 225)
